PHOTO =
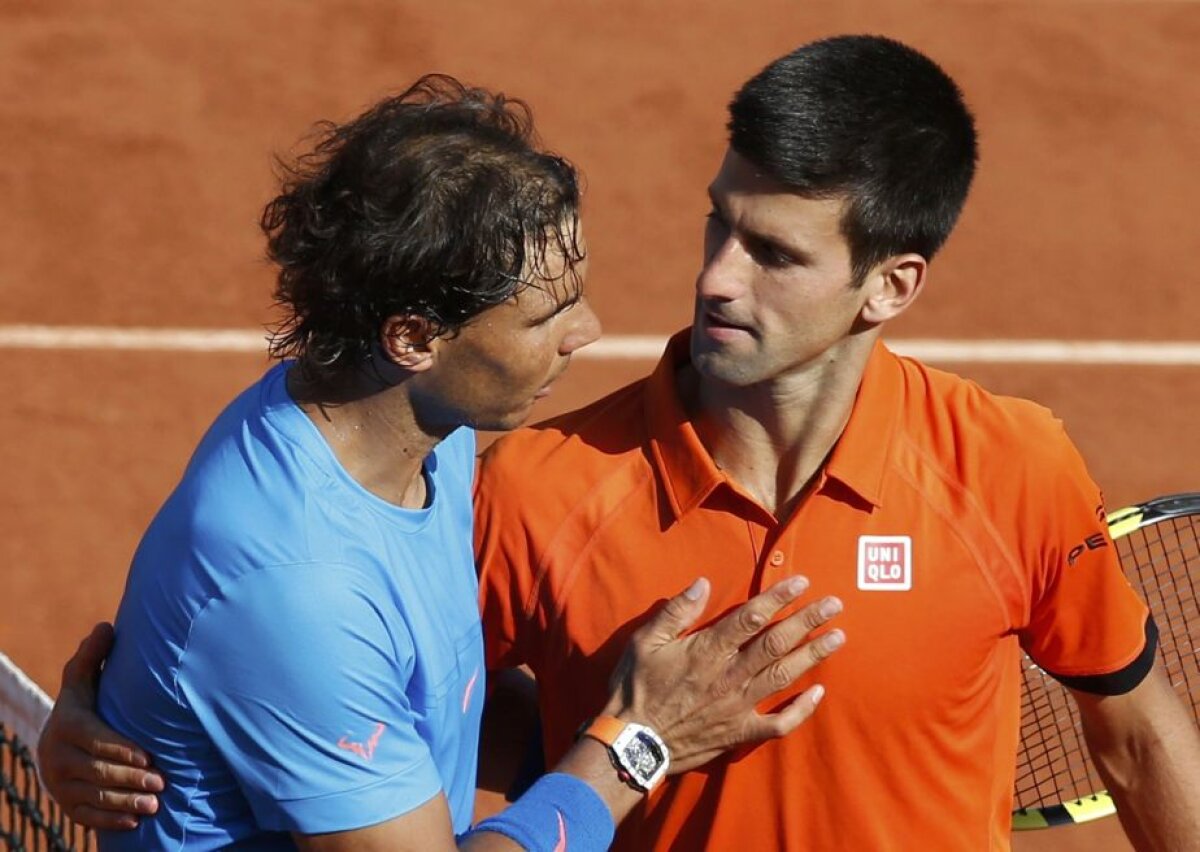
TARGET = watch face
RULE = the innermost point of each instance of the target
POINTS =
(642, 754)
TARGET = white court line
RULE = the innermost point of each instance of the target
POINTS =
(625, 346)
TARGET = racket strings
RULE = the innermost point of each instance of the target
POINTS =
(1167, 566)
(1162, 561)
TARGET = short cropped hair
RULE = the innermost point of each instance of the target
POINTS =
(871, 120)
(437, 202)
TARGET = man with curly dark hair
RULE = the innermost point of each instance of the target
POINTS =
(299, 642)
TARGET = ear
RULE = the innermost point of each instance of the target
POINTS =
(406, 342)
(893, 286)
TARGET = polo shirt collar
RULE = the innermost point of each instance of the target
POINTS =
(686, 469)
(859, 459)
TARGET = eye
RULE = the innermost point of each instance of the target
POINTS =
(770, 255)
(561, 309)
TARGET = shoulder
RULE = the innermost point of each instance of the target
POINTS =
(955, 418)
(1008, 457)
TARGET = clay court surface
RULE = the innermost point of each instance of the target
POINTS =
(136, 145)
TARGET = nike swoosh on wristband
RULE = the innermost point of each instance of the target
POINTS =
(561, 845)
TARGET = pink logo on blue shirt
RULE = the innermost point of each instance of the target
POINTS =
(366, 752)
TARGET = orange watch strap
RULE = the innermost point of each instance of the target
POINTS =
(605, 729)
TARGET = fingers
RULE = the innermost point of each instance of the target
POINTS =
(679, 613)
(101, 808)
(108, 745)
(86, 730)
(114, 778)
(80, 794)
(106, 820)
(787, 719)
(778, 656)
(74, 724)
(733, 631)
(101, 794)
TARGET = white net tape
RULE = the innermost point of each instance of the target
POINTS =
(23, 705)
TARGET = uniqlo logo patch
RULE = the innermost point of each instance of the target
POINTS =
(884, 563)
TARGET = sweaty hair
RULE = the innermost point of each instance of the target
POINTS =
(437, 203)
(871, 120)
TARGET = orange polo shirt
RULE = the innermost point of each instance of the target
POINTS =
(944, 519)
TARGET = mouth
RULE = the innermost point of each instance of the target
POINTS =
(717, 326)
(545, 389)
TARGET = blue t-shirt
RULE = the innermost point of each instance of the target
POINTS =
(296, 653)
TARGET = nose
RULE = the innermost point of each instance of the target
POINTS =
(726, 265)
(584, 329)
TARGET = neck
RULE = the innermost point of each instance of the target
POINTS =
(773, 438)
(370, 425)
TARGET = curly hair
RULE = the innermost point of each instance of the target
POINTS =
(437, 202)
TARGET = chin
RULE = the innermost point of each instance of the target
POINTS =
(497, 422)
(721, 368)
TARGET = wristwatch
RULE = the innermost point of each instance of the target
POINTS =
(639, 755)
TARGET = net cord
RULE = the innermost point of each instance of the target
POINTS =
(23, 705)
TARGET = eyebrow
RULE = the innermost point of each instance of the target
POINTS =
(558, 306)
(795, 252)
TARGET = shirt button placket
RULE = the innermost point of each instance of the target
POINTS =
(773, 567)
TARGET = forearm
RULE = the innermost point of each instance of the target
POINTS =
(1149, 757)
(588, 762)
(1156, 786)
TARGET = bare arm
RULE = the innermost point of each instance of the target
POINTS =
(1147, 749)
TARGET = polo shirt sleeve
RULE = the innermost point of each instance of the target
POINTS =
(504, 557)
(299, 679)
(1086, 626)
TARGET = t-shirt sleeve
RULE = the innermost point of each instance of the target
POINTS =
(1087, 626)
(299, 679)
(504, 558)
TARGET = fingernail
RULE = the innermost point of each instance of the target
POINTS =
(153, 783)
(829, 607)
(695, 590)
(143, 804)
(817, 693)
(797, 585)
(833, 640)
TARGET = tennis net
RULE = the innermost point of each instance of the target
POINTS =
(29, 820)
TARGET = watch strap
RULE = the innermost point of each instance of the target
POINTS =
(606, 729)
(612, 732)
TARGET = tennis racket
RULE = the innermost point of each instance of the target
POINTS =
(1159, 545)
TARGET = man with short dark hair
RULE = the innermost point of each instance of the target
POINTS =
(778, 433)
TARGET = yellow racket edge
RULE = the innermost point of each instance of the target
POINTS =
(1096, 806)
